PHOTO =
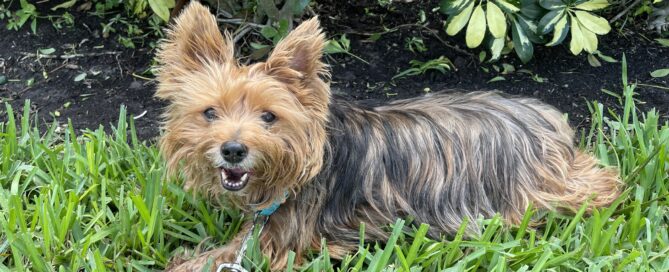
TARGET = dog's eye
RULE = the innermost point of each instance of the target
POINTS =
(210, 114)
(268, 117)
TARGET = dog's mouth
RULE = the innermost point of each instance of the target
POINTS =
(234, 179)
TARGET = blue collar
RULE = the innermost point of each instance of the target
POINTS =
(272, 208)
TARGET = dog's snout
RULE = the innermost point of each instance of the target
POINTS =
(234, 152)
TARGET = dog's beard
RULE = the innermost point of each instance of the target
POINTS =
(233, 177)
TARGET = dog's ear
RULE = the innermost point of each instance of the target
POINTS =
(300, 51)
(192, 40)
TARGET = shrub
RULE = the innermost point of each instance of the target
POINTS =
(528, 22)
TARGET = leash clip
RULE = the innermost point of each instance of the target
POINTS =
(233, 267)
(237, 265)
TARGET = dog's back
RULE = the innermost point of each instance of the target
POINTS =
(447, 157)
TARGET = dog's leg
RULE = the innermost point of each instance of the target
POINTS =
(217, 256)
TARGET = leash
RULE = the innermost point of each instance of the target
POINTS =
(236, 266)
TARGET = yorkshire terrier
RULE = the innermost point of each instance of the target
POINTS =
(271, 131)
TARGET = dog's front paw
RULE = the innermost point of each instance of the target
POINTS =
(208, 261)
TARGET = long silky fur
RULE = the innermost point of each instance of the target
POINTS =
(439, 159)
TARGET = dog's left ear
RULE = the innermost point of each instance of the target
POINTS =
(300, 51)
(192, 41)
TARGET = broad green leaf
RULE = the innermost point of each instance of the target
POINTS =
(269, 32)
(508, 6)
(457, 22)
(521, 42)
(552, 4)
(560, 32)
(577, 40)
(593, 5)
(531, 9)
(476, 28)
(530, 29)
(159, 7)
(496, 20)
(590, 39)
(496, 47)
(547, 23)
(452, 7)
(596, 24)
(660, 73)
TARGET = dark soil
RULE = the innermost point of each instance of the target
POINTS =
(118, 75)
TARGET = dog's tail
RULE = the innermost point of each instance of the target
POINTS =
(586, 181)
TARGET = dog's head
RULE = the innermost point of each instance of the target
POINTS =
(255, 130)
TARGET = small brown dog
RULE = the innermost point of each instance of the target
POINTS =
(260, 131)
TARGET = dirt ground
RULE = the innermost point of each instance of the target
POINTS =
(117, 76)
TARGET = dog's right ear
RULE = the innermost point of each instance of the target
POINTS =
(193, 40)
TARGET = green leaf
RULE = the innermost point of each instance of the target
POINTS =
(496, 47)
(560, 32)
(299, 6)
(497, 78)
(593, 61)
(590, 39)
(663, 42)
(530, 29)
(33, 25)
(496, 20)
(508, 6)
(660, 73)
(452, 7)
(159, 7)
(65, 5)
(47, 51)
(476, 28)
(606, 58)
(596, 24)
(80, 77)
(269, 32)
(521, 42)
(552, 4)
(457, 22)
(531, 9)
(593, 5)
(547, 23)
(577, 39)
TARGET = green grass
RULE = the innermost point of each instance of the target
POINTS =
(98, 201)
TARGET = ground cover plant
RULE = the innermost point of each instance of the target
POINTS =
(106, 57)
(98, 201)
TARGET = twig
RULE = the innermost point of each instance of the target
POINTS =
(70, 56)
(142, 77)
(625, 11)
(433, 32)
(239, 22)
(242, 32)
(653, 86)
(58, 68)
(436, 36)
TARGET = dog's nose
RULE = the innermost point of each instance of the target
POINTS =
(234, 152)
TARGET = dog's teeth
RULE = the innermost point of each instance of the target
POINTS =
(244, 177)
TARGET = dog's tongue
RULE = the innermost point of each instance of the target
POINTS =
(234, 179)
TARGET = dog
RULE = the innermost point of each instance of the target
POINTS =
(271, 132)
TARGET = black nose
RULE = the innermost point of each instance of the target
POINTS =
(234, 152)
